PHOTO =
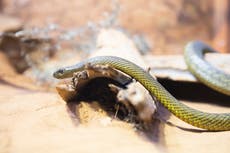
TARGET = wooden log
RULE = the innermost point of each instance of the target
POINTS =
(135, 96)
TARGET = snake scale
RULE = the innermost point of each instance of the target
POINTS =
(204, 71)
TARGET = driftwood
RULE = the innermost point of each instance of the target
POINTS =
(134, 96)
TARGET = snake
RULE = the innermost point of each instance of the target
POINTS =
(194, 57)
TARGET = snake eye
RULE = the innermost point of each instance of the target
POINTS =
(60, 71)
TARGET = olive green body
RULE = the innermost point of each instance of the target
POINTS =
(209, 121)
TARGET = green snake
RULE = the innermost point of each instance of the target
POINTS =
(194, 52)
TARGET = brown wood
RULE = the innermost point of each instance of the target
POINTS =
(221, 26)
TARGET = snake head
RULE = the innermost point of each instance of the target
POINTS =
(59, 73)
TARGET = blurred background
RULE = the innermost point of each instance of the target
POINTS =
(39, 36)
(32, 30)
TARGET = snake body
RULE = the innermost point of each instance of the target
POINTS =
(204, 120)
(204, 71)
